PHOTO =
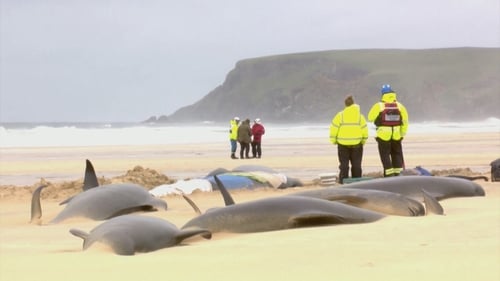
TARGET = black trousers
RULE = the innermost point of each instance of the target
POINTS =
(391, 156)
(352, 154)
(244, 149)
(256, 149)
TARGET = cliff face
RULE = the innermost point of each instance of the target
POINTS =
(436, 84)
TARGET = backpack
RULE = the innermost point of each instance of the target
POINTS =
(389, 116)
(495, 170)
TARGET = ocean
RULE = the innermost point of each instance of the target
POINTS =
(67, 134)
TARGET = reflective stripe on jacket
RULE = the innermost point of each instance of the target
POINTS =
(348, 127)
(384, 132)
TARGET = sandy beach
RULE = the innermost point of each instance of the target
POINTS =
(464, 244)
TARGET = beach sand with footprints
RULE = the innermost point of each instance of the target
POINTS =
(464, 244)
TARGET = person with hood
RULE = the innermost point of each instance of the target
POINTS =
(349, 132)
(244, 138)
(391, 120)
(257, 131)
(233, 135)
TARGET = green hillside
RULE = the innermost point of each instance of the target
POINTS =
(434, 84)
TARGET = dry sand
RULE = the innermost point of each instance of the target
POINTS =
(462, 245)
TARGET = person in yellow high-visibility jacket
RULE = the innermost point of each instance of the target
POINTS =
(233, 135)
(349, 132)
(391, 119)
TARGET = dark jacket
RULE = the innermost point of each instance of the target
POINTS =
(244, 132)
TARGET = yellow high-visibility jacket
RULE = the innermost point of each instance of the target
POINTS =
(348, 127)
(387, 133)
(233, 131)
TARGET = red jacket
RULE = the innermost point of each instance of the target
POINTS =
(257, 132)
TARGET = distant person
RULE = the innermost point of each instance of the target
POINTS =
(349, 132)
(257, 131)
(233, 135)
(391, 119)
(244, 138)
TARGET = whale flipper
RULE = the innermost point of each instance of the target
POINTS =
(79, 233)
(187, 233)
(432, 204)
(191, 202)
(36, 206)
(471, 178)
(228, 199)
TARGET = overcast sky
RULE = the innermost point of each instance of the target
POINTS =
(125, 60)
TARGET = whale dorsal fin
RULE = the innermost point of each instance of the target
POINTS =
(90, 178)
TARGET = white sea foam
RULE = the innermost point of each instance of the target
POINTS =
(65, 135)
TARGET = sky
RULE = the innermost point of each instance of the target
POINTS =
(127, 60)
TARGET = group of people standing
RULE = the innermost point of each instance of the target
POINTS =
(349, 132)
(247, 136)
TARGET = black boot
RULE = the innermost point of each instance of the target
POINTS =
(233, 156)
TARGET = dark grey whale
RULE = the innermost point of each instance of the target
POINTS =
(102, 203)
(130, 234)
(376, 200)
(412, 186)
(278, 213)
